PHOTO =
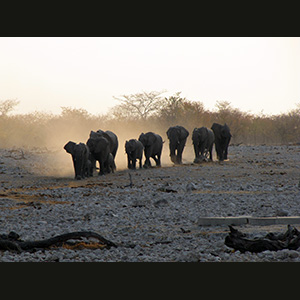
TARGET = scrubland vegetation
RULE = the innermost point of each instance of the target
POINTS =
(144, 112)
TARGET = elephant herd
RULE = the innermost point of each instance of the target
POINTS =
(102, 146)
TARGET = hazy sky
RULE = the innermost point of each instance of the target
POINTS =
(253, 74)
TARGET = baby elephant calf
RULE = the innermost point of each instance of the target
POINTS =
(80, 156)
(134, 150)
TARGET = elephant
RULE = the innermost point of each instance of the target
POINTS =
(177, 136)
(222, 139)
(153, 144)
(111, 163)
(134, 150)
(203, 141)
(110, 136)
(113, 145)
(80, 156)
(100, 150)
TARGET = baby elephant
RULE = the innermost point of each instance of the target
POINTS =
(80, 155)
(134, 150)
(111, 166)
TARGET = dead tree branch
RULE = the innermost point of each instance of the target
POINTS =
(273, 242)
(12, 242)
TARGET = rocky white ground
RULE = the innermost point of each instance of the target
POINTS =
(155, 220)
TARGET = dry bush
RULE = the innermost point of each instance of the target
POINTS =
(53, 131)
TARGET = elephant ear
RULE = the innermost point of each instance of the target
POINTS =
(89, 143)
(216, 128)
(94, 134)
(69, 147)
(183, 133)
(194, 133)
(169, 131)
(100, 132)
(225, 132)
(141, 137)
(186, 133)
(226, 128)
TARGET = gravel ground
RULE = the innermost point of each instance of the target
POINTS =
(155, 220)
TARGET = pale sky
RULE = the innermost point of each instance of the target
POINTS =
(254, 74)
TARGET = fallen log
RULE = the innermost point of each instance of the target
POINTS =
(273, 242)
(12, 241)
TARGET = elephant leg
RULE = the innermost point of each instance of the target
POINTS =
(173, 155)
(221, 155)
(102, 167)
(196, 151)
(218, 150)
(226, 149)
(173, 158)
(147, 152)
(92, 165)
(223, 150)
(226, 154)
(179, 152)
(89, 169)
(210, 153)
(157, 160)
(106, 167)
(112, 169)
(134, 163)
(128, 162)
(147, 163)
(83, 168)
(202, 150)
(180, 157)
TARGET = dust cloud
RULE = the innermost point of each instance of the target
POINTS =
(42, 141)
(42, 136)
